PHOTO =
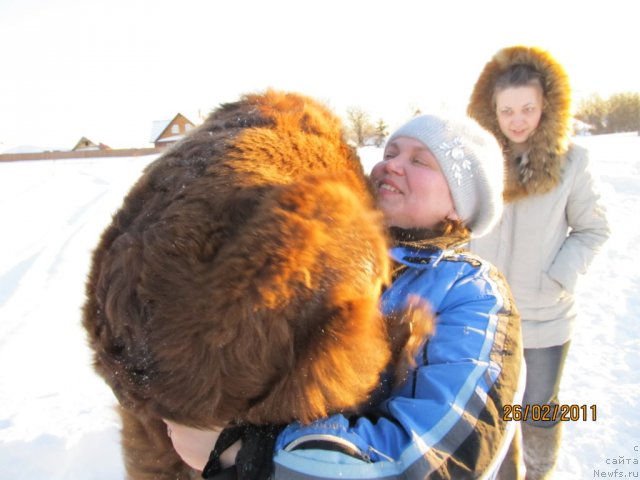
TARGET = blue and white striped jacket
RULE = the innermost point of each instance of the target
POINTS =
(446, 419)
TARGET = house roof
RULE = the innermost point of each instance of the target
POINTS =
(85, 144)
(158, 127)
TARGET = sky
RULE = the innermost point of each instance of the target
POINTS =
(106, 69)
(57, 417)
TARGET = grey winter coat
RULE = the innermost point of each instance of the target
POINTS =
(542, 243)
(554, 221)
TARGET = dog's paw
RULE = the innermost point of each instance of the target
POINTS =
(408, 329)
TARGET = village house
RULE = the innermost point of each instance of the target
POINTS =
(168, 132)
(85, 144)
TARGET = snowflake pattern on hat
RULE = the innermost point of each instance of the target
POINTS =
(455, 151)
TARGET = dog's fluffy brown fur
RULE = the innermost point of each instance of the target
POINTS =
(239, 280)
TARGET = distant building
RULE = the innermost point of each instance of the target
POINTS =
(85, 144)
(168, 132)
(581, 128)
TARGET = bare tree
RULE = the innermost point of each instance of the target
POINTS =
(360, 125)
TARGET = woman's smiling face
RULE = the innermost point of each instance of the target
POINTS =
(411, 189)
(519, 110)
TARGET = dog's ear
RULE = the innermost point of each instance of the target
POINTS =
(114, 318)
(122, 297)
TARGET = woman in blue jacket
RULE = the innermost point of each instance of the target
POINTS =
(439, 183)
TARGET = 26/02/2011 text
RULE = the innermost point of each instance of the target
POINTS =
(549, 412)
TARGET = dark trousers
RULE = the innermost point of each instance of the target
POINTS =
(544, 372)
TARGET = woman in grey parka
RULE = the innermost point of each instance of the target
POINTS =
(553, 224)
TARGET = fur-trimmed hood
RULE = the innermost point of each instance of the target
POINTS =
(540, 169)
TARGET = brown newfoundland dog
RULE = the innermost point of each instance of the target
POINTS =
(239, 281)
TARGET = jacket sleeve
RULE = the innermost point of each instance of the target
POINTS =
(589, 228)
(446, 419)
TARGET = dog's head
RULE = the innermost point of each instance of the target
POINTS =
(239, 280)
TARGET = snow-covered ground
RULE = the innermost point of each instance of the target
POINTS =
(56, 416)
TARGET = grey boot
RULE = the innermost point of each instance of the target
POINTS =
(541, 446)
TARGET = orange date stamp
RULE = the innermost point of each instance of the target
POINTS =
(549, 413)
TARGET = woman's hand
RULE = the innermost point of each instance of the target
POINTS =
(194, 445)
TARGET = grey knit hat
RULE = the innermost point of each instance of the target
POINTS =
(471, 161)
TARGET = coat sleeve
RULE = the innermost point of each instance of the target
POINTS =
(589, 227)
(446, 419)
